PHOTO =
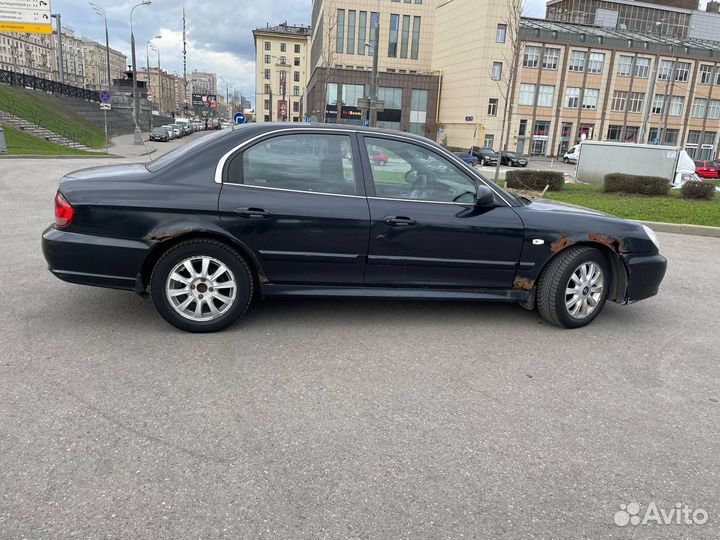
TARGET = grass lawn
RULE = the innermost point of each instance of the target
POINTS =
(20, 143)
(670, 209)
(33, 106)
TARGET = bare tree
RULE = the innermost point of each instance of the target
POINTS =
(507, 81)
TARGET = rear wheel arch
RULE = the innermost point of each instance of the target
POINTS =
(163, 247)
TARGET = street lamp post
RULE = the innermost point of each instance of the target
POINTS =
(100, 11)
(160, 104)
(147, 67)
(136, 101)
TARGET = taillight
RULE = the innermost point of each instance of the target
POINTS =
(63, 212)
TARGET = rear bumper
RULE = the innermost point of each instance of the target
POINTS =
(93, 260)
(645, 273)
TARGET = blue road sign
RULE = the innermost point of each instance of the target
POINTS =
(468, 118)
(656, 141)
(105, 97)
(239, 118)
(366, 123)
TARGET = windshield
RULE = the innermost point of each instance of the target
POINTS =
(185, 150)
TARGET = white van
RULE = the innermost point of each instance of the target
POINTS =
(572, 155)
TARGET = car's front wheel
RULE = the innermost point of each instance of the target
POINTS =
(573, 288)
(201, 285)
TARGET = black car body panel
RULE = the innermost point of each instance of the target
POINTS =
(305, 243)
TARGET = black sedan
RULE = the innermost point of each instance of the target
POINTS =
(486, 156)
(511, 159)
(268, 209)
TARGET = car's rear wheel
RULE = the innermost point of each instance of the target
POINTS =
(573, 288)
(201, 286)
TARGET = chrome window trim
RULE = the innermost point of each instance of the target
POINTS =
(294, 190)
(448, 155)
(420, 201)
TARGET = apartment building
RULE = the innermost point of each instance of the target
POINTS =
(29, 54)
(96, 72)
(162, 89)
(73, 58)
(342, 49)
(201, 82)
(282, 71)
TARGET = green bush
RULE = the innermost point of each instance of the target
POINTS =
(698, 189)
(535, 180)
(631, 183)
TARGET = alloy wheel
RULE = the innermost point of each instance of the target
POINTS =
(584, 290)
(201, 288)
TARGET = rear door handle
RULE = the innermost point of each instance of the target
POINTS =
(399, 221)
(254, 213)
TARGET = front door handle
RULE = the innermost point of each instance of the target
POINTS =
(399, 221)
(253, 213)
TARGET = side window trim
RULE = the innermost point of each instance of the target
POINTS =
(360, 187)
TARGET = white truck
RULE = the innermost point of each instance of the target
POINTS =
(596, 159)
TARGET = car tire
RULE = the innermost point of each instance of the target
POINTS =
(566, 160)
(200, 288)
(555, 302)
(482, 162)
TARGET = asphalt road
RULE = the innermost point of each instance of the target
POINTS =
(337, 419)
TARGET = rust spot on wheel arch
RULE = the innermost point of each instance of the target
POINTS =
(606, 240)
(524, 284)
(561, 243)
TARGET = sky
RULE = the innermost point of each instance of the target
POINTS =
(219, 32)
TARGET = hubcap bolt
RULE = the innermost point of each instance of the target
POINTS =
(200, 296)
(192, 287)
(211, 289)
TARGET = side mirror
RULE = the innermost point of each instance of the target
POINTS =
(485, 197)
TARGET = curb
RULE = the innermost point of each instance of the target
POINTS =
(41, 156)
(681, 228)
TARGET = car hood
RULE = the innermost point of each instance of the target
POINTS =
(558, 208)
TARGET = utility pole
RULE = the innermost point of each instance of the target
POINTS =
(185, 81)
(147, 64)
(136, 101)
(100, 11)
(61, 67)
(375, 77)
(651, 90)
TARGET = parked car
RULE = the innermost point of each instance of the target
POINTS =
(179, 131)
(171, 130)
(214, 223)
(486, 156)
(159, 134)
(706, 169)
(467, 158)
(379, 158)
(511, 159)
(572, 155)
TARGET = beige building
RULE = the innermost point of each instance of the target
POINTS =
(203, 83)
(30, 54)
(281, 71)
(162, 89)
(73, 56)
(95, 58)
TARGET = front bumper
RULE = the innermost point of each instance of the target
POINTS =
(99, 261)
(645, 273)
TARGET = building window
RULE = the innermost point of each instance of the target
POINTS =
(531, 59)
(296, 90)
(642, 68)
(714, 109)
(267, 104)
(577, 61)
(698, 108)
(296, 61)
(666, 68)
(501, 33)
(340, 38)
(497, 71)
(415, 48)
(527, 94)
(546, 95)
(596, 63)
(705, 74)
(418, 111)
(374, 21)
(296, 107)
(551, 58)
(393, 40)
(351, 32)
(625, 66)
(682, 71)
(268, 59)
(296, 76)
(489, 140)
(676, 105)
(631, 133)
(297, 49)
(658, 106)
(590, 99)
(267, 74)
(268, 89)
(283, 47)
(362, 33)
(267, 45)
(572, 97)
(614, 133)
(405, 36)
(492, 107)
(619, 101)
(637, 99)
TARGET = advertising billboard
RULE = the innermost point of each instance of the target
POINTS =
(202, 100)
(32, 16)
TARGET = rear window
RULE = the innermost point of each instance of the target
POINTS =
(699, 163)
(185, 150)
